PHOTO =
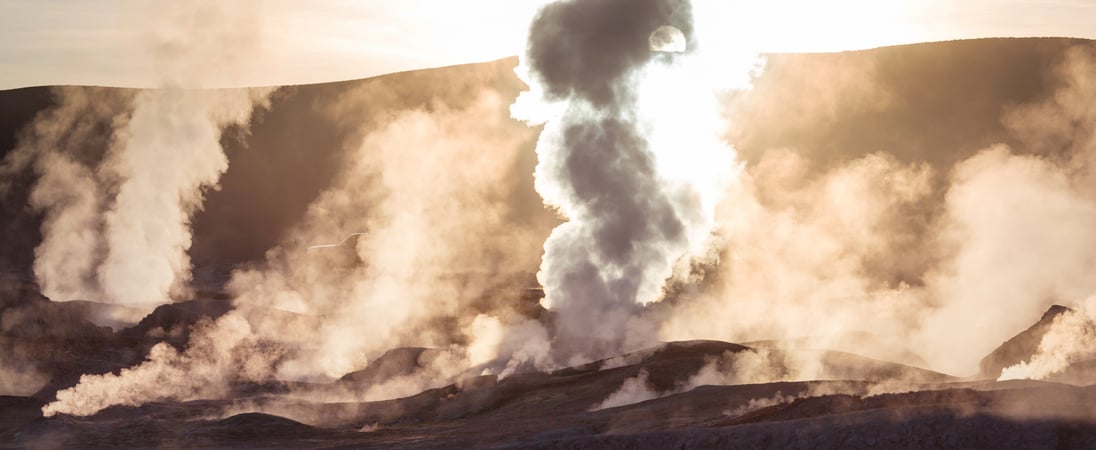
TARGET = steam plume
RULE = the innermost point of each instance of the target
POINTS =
(1070, 341)
(427, 188)
(637, 186)
(430, 199)
(64, 147)
(950, 259)
(170, 154)
(117, 225)
(219, 355)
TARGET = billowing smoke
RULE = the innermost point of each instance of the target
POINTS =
(117, 224)
(635, 180)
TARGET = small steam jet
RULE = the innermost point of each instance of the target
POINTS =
(345, 253)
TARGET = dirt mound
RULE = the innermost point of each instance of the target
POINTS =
(255, 428)
(172, 322)
(1021, 347)
(393, 363)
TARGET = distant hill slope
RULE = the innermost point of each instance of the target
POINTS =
(936, 102)
(279, 166)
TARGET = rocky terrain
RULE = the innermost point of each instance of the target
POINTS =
(858, 402)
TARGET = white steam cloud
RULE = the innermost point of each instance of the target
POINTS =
(630, 156)
(905, 261)
(168, 155)
(429, 191)
(1069, 342)
(218, 355)
(434, 268)
(117, 224)
(63, 147)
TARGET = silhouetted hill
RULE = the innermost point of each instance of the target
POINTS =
(393, 363)
(935, 102)
(278, 167)
(172, 322)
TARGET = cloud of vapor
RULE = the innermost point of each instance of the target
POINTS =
(1064, 126)
(117, 223)
(63, 147)
(1022, 239)
(170, 151)
(219, 355)
(801, 96)
(635, 177)
(633, 390)
(439, 266)
(430, 191)
(18, 379)
(1021, 227)
(928, 264)
(1070, 340)
(760, 403)
(858, 376)
(801, 245)
(169, 154)
(895, 259)
(731, 368)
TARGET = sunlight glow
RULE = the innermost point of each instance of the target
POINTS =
(74, 42)
(811, 26)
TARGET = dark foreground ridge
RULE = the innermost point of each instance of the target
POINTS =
(857, 402)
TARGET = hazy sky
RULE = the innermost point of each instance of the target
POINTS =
(273, 42)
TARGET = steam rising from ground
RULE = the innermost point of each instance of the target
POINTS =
(16, 379)
(219, 355)
(764, 365)
(170, 154)
(629, 156)
(1065, 127)
(949, 261)
(117, 225)
(63, 147)
(430, 189)
(1071, 340)
(731, 368)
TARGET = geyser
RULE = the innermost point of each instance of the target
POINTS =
(629, 155)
